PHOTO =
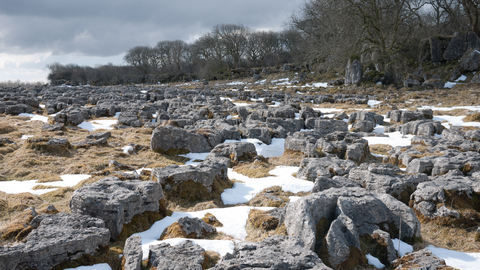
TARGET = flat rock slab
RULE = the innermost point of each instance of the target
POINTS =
(275, 252)
(59, 238)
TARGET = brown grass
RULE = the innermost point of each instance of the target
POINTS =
(261, 200)
(255, 169)
(261, 225)
(380, 149)
(474, 117)
(454, 112)
(289, 158)
(449, 237)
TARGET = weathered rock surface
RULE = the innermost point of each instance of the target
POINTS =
(117, 202)
(331, 222)
(168, 139)
(182, 256)
(353, 72)
(275, 252)
(232, 153)
(60, 237)
(312, 168)
(132, 253)
(186, 227)
(408, 116)
(192, 183)
(419, 260)
(386, 178)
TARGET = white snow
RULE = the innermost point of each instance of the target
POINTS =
(24, 137)
(454, 121)
(233, 220)
(235, 83)
(449, 85)
(128, 149)
(98, 124)
(245, 191)
(461, 78)
(393, 139)
(460, 260)
(374, 261)
(404, 247)
(319, 84)
(373, 103)
(35, 117)
(193, 157)
(274, 149)
(102, 266)
(16, 187)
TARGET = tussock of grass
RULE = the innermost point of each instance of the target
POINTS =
(449, 237)
(212, 220)
(380, 149)
(255, 169)
(454, 112)
(289, 158)
(474, 117)
(271, 197)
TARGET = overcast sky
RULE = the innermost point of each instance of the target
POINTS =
(91, 32)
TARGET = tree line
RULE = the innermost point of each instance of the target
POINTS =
(322, 35)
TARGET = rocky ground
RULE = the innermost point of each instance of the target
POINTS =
(238, 175)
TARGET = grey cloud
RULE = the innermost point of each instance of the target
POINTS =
(106, 28)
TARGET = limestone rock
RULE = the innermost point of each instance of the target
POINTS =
(60, 237)
(182, 256)
(132, 253)
(274, 252)
(166, 139)
(354, 72)
(117, 202)
(186, 227)
(232, 153)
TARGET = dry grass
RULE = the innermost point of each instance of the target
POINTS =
(474, 117)
(272, 197)
(455, 112)
(380, 149)
(449, 237)
(289, 158)
(255, 169)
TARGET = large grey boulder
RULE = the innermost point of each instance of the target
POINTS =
(386, 178)
(182, 256)
(312, 168)
(232, 153)
(117, 202)
(354, 72)
(460, 43)
(132, 253)
(421, 127)
(452, 190)
(168, 139)
(377, 119)
(470, 61)
(192, 183)
(359, 212)
(343, 145)
(323, 183)
(61, 237)
(274, 252)
(324, 126)
(407, 116)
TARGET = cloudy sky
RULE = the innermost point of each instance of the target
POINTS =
(90, 32)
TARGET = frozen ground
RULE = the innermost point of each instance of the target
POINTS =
(102, 266)
(35, 117)
(98, 124)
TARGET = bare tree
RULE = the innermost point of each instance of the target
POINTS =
(141, 58)
(234, 39)
(472, 10)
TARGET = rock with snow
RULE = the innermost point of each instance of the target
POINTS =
(274, 252)
(61, 237)
(117, 202)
